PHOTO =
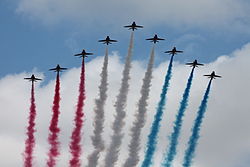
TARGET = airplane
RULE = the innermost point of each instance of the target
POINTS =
(155, 39)
(33, 78)
(107, 40)
(174, 51)
(212, 75)
(194, 64)
(133, 26)
(83, 54)
(57, 69)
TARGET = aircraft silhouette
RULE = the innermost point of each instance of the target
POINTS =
(83, 54)
(33, 78)
(133, 26)
(212, 75)
(194, 64)
(58, 69)
(107, 40)
(155, 39)
(174, 51)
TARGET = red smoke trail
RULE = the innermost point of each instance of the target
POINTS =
(54, 129)
(30, 141)
(75, 146)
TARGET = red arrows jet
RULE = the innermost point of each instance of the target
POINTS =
(194, 64)
(213, 75)
(83, 54)
(107, 40)
(57, 69)
(33, 78)
(155, 39)
(173, 51)
(133, 26)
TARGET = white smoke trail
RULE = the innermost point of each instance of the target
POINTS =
(97, 139)
(118, 124)
(138, 124)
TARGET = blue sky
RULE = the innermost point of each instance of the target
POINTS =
(36, 35)
(30, 41)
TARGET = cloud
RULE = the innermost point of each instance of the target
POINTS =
(226, 14)
(225, 132)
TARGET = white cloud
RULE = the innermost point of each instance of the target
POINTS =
(225, 132)
(228, 14)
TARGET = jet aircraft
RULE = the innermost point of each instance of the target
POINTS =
(212, 75)
(133, 26)
(58, 69)
(194, 64)
(83, 54)
(174, 51)
(155, 39)
(107, 40)
(33, 78)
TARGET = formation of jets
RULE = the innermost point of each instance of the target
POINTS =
(108, 41)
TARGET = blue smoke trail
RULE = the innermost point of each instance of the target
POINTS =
(192, 143)
(178, 123)
(152, 137)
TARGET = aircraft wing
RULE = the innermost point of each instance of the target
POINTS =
(178, 51)
(150, 39)
(189, 63)
(63, 68)
(102, 40)
(111, 40)
(200, 64)
(89, 53)
(79, 54)
(52, 69)
(160, 39)
(218, 76)
(139, 26)
(130, 26)
(168, 51)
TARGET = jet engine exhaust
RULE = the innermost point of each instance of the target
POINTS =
(75, 144)
(53, 128)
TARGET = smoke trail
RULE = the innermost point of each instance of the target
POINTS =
(192, 143)
(134, 145)
(97, 139)
(113, 150)
(178, 123)
(75, 144)
(152, 137)
(54, 129)
(30, 141)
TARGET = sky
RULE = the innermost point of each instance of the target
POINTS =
(38, 34)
